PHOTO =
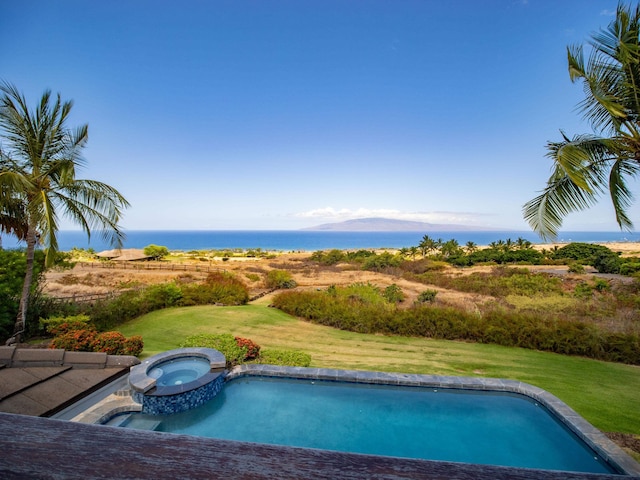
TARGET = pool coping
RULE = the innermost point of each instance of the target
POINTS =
(593, 437)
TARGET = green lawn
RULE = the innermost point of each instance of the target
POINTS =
(606, 394)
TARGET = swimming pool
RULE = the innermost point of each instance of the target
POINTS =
(451, 424)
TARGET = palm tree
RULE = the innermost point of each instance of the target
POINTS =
(38, 177)
(508, 245)
(522, 244)
(450, 248)
(585, 166)
(427, 244)
(471, 246)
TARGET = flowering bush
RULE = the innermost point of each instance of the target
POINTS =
(74, 334)
(252, 349)
(111, 343)
(75, 340)
(133, 345)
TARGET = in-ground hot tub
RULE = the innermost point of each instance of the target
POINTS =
(179, 371)
(177, 380)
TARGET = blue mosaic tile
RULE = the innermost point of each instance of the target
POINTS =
(180, 402)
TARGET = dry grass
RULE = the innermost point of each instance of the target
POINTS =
(83, 279)
(87, 279)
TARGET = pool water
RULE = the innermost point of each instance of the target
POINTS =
(412, 422)
(179, 371)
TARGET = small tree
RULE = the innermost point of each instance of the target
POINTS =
(156, 252)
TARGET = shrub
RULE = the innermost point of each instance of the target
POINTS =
(133, 345)
(503, 327)
(279, 279)
(423, 265)
(503, 281)
(111, 343)
(254, 277)
(162, 295)
(600, 257)
(225, 343)
(601, 285)
(331, 257)
(607, 263)
(378, 263)
(362, 293)
(427, 296)
(501, 256)
(75, 340)
(575, 267)
(74, 333)
(288, 358)
(61, 325)
(219, 288)
(252, 349)
(360, 256)
(629, 267)
(393, 294)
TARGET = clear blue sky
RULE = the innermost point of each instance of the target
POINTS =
(285, 114)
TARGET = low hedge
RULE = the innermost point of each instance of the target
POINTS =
(285, 358)
(235, 349)
(238, 350)
(218, 288)
(497, 326)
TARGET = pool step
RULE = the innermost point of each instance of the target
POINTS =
(118, 420)
(134, 421)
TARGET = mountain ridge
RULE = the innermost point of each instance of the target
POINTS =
(379, 224)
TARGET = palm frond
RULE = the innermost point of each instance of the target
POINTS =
(621, 195)
(546, 212)
(583, 158)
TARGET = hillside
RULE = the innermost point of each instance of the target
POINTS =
(390, 225)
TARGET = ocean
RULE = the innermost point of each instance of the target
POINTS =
(304, 240)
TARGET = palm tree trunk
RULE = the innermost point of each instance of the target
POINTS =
(21, 319)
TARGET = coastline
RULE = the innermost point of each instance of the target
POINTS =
(310, 241)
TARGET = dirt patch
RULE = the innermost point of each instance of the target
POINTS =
(626, 441)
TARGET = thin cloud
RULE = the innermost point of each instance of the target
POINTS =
(608, 13)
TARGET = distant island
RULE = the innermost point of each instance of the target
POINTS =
(391, 225)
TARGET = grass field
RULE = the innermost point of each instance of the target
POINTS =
(606, 394)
